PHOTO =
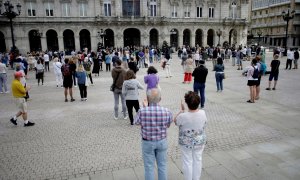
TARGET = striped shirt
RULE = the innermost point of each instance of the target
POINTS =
(154, 121)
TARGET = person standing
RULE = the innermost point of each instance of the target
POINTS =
(239, 59)
(96, 64)
(67, 80)
(118, 74)
(252, 80)
(107, 60)
(290, 58)
(274, 72)
(57, 71)
(3, 77)
(200, 74)
(233, 55)
(87, 64)
(46, 60)
(192, 137)
(40, 72)
(154, 121)
(130, 91)
(219, 74)
(189, 66)
(215, 56)
(19, 92)
(151, 79)
(296, 58)
(73, 67)
(81, 81)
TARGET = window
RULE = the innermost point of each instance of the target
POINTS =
(266, 11)
(254, 13)
(82, 9)
(66, 9)
(233, 10)
(187, 12)
(49, 9)
(131, 7)
(153, 8)
(107, 9)
(199, 12)
(174, 12)
(31, 9)
(211, 12)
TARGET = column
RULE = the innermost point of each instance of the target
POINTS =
(61, 46)
(77, 44)
(180, 38)
(193, 40)
(44, 43)
(94, 43)
(204, 38)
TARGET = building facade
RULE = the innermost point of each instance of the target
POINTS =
(268, 23)
(76, 24)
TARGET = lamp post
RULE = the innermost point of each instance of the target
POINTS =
(259, 33)
(287, 16)
(10, 14)
(173, 33)
(101, 34)
(219, 33)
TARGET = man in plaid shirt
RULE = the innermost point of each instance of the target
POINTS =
(154, 121)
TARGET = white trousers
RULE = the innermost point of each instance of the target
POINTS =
(58, 78)
(191, 163)
(168, 70)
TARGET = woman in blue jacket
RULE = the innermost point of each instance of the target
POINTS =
(81, 81)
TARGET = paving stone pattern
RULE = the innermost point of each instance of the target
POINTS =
(82, 138)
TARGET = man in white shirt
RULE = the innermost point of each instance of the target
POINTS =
(46, 60)
(57, 71)
(290, 58)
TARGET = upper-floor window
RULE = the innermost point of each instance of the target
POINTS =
(174, 11)
(31, 9)
(153, 7)
(211, 12)
(66, 9)
(233, 10)
(49, 9)
(83, 9)
(199, 12)
(107, 9)
(131, 7)
(187, 12)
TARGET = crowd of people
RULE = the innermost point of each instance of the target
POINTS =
(77, 69)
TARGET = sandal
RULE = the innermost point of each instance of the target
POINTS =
(249, 101)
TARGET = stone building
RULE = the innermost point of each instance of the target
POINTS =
(268, 25)
(75, 24)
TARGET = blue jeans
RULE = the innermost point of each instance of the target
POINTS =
(200, 88)
(155, 150)
(219, 81)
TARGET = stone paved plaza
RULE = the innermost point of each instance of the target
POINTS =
(81, 140)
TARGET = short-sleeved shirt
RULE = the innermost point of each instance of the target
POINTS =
(275, 66)
(192, 129)
(154, 121)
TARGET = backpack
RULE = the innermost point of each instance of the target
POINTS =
(263, 68)
(255, 73)
(87, 65)
(66, 70)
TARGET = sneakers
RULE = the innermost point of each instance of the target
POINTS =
(72, 100)
(66, 100)
(12, 120)
(126, 117)
(29, 124)
(268, 89)
(273, 89)
(115, 117)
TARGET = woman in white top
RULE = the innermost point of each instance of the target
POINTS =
(57, 71)
(192, 136)
(252, 72)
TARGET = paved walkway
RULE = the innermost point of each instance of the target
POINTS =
(82, 141)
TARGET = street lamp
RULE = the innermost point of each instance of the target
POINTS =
(219, 33)
(259, 33)
(10, 14)
(101, 34)
(287, 16)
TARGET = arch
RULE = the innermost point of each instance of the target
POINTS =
(174, 38)
(232, 37)
(187, 37)
(153, 38)
(52, 40)
(132, 37)
(199, 37)
(210, 37)
(34, 40)
(85, 39)
(109, 40)
(2, 42)
(69, 41)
